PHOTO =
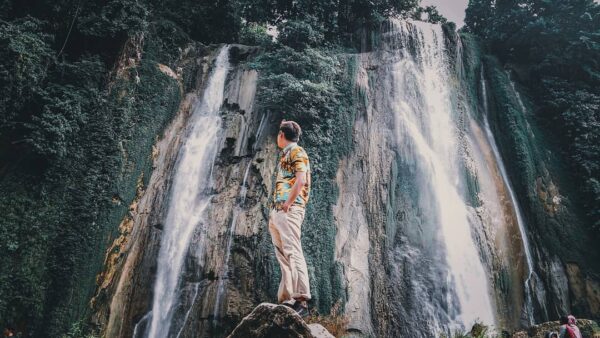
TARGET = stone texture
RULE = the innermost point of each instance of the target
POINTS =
(318, 331)
(270, 320)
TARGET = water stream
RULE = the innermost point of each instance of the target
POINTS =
(189, 197)
(187, 313)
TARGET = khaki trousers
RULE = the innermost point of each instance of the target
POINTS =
(285, 229)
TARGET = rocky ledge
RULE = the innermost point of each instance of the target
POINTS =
(588, 328)
(270, 320)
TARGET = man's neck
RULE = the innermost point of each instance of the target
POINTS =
(288, 146)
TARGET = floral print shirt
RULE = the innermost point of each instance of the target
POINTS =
(293, 159)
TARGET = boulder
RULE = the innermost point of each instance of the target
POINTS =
(270, 320)
(318, 331)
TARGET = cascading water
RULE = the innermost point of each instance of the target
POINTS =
(187, 313)
(426, 128)
(189, 197)
(521, 223)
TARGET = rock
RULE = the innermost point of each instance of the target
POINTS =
(167, 71)
(270, 320)
(318, 331)
(588, 328)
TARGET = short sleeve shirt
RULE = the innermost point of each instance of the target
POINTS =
(293, 159)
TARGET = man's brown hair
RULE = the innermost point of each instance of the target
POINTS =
(291, 130)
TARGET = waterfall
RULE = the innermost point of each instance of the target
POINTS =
(190, 195)
(521, 223)
(428, 136)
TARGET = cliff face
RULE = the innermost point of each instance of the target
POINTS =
(424, 191)
(125, 286)
(568, 271)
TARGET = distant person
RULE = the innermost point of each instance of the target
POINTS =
(292, 189)
(552, 334)
(8, 332)
(568, 327)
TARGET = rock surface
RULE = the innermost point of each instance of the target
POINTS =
(270, 320)
(318, 331)
(588, 328)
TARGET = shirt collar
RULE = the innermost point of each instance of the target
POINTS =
(288, 147)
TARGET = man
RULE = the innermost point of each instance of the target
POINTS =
(292, 189)
(568, 327)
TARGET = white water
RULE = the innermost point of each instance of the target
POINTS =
(521, 222)
(261, 127)
(188, 200)
(187, 313)
(136, 332)
(426, 129)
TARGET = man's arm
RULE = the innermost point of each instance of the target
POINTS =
(562, 331)
(296, 188)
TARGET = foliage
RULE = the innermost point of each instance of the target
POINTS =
(339, 19)
(62, 138)
(78, 330)
(429, 14)
(254, 34)
(204, 21)
(301, 34)
(25, 55)
(115, 18)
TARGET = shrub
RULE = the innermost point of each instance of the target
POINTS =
(255, 35)
(301, 34)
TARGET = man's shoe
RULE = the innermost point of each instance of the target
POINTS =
(301, 309)
(290, 303)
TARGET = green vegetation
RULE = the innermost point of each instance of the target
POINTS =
(71, 149)
(553, 46)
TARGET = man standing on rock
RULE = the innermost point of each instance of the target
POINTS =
(292, 189)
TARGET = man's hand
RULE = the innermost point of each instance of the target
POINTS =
(286, 205)
(300, 181)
